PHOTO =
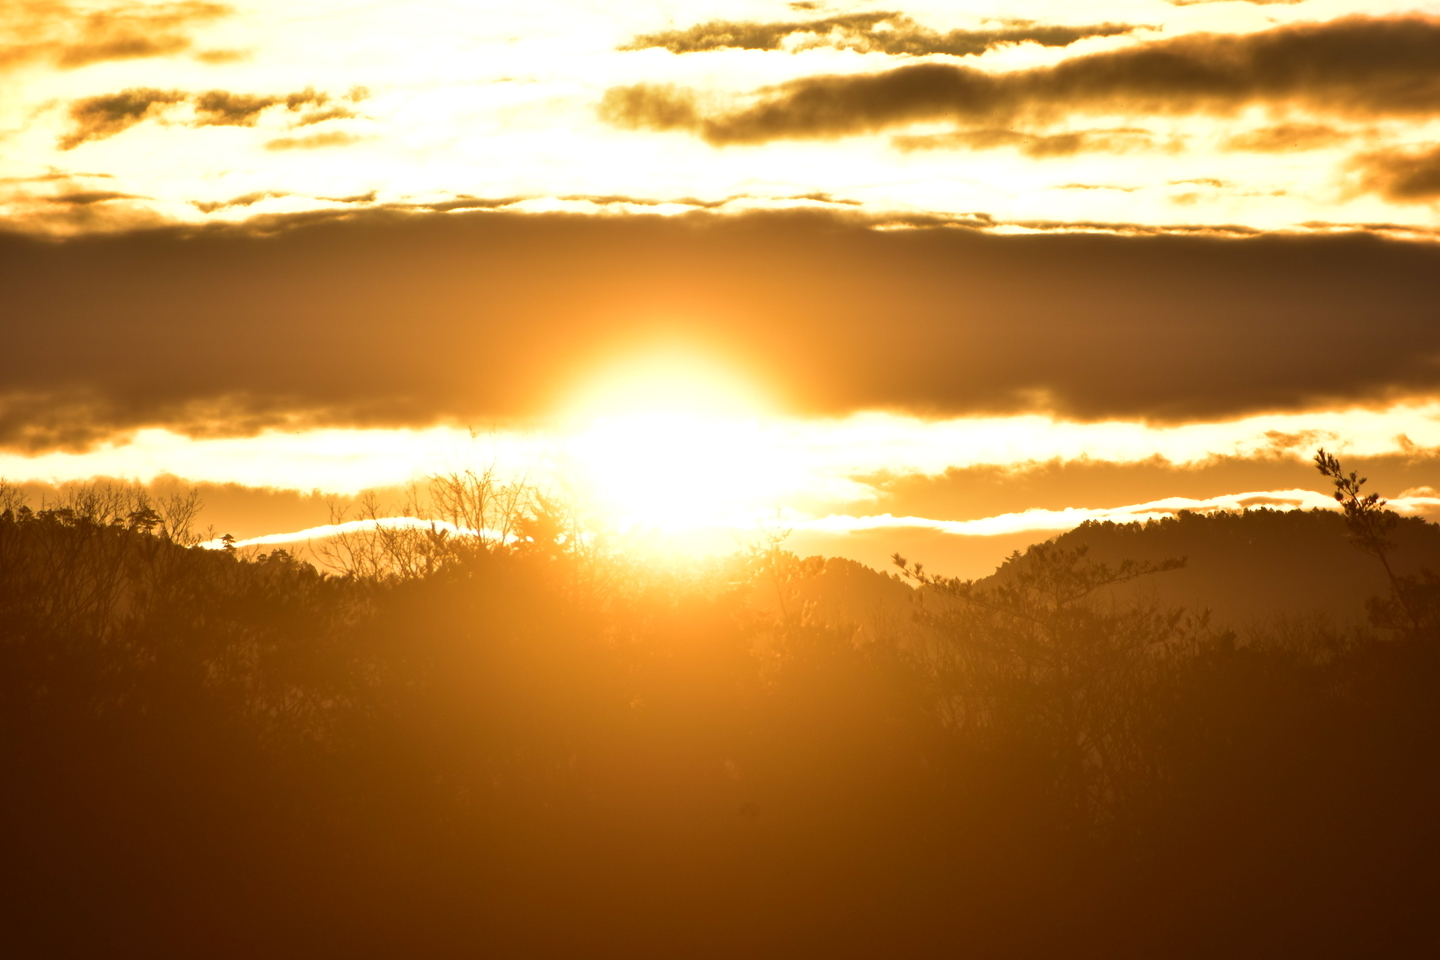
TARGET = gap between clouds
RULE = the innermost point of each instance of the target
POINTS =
(1038, 521)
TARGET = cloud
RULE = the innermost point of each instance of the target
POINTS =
(1405, 176)
(71, 36)
(222, 108)
(69, 212)
(1114, 140)
(246, 200)
(1096, 186)
(328, 113)
(362, 198)
(1287, 137)
(315, 141)
(890, 33)
(1356, 66)
(96, 118)
(75, 417)
(86, 197)
(326, 530)
(219, 108)
(222, 56)
(390, 319)
(651, 106)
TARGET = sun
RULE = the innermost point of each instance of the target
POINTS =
(673, 441)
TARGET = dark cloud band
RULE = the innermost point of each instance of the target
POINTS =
(1355, 67)
(479, 317)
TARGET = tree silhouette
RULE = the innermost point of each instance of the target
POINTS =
(1414, 602)
(1044, 653)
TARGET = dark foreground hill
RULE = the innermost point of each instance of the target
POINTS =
(528, 751)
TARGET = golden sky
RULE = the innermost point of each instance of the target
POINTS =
(708, 262)
(1021, 115)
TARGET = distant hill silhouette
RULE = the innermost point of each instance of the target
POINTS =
(840, 592)
(1245, 568)
(1259, 564)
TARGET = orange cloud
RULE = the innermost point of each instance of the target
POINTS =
(1405, 176)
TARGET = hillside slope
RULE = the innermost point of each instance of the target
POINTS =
(1247, 567)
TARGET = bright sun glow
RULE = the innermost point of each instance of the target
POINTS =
(672, 382)
(672, 441)
(681, 448)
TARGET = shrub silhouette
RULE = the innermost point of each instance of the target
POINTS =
(1045, 657)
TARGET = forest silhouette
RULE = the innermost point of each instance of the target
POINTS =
(517, 744)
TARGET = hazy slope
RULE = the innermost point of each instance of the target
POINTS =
(1243, 567)
(1257, 564)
